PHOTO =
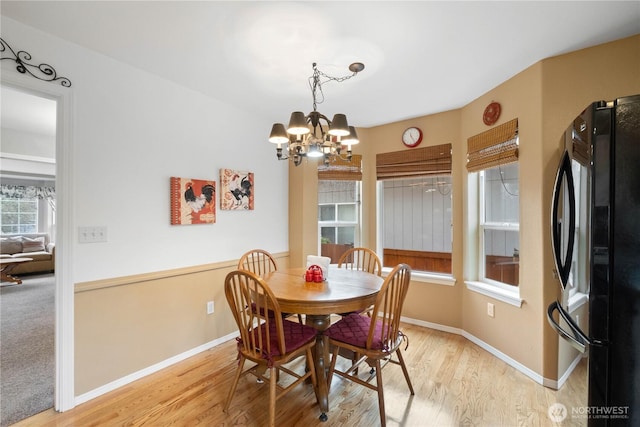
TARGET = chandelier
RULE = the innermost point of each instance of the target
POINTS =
(314, 135)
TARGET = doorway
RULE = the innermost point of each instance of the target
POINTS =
(28, 153)
(60, 171)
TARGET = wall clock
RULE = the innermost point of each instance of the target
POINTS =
(491, 113)
(412, 136)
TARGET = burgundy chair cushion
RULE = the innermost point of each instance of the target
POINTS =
(295, 336)
(353, 329)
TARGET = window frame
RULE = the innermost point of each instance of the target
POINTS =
(32, 201)
(484, 225)
(494, 147)
(336, 223)
(406, 164)
(447, 276)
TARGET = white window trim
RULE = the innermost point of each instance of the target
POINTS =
(426, 277)
(357, 223)
(497, 291)
(337, 223)
(577, 300)
(416, 275)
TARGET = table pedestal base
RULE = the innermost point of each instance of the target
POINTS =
(320, 323)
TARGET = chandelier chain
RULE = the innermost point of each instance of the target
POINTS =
(315, 83)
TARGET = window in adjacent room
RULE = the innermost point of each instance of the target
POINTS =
(339, 206)
(493, 156)
(26, 208)
(415, 208)
(19, 215)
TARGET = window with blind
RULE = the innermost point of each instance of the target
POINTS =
(493, 155)
(415, 206)
(339, 206)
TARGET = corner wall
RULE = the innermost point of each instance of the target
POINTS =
(545, 98)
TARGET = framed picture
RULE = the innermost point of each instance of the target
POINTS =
(236, 190)
(193, 201)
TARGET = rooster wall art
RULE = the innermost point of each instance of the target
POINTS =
(193, 201)
(237, 190)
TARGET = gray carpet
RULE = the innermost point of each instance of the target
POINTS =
(27, 348)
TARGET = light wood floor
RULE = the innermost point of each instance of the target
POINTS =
(456, 383)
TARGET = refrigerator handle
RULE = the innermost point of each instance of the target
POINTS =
(563, 261)
(578, 339)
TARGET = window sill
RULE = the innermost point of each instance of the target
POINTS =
(577, 300)
(423, 276)
(505, 295)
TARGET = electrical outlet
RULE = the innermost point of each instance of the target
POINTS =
(210, 307)
(490, 309)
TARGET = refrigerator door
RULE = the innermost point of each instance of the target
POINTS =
(624, 299)
(563, 219)
(563, 235)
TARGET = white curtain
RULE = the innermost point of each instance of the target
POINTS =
(27, 192)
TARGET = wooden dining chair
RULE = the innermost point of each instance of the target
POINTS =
(373, 339)
(260, 262)
(363, 259)
(269, 341)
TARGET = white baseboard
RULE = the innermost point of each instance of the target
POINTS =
(557, 384)
(494, 351)
(180, 357)
(151, 369)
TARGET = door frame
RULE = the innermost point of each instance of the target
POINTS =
(64, 284)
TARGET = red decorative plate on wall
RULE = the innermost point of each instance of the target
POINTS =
(491, 113)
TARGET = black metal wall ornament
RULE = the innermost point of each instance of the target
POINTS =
(43, 71)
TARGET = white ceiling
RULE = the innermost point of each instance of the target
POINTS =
(421, 57)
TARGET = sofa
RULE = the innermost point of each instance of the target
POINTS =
(36, 246)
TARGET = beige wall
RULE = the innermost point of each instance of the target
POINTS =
(511, 329)
(127, 324)
(545, 98)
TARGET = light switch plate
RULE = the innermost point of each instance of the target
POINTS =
(95, 234)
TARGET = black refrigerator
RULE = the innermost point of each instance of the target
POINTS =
(606, 140)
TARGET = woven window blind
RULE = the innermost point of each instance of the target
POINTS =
(435, 160)
(340, 169)
(497, 146)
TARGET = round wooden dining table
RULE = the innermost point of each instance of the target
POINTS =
(343, 291)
